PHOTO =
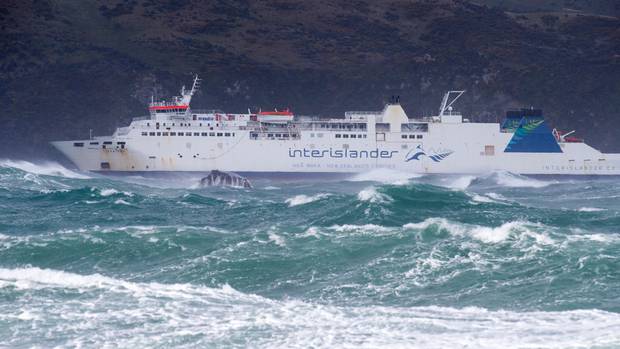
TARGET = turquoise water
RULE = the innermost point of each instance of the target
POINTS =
(373, 260)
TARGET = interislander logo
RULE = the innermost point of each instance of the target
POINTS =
(418, 152)
(341, 153)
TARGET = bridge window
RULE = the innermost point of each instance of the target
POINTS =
(338, 135)
(107, 142)
(159, 133)
(411, 136)
(144, 133)
(403, 136)
(78, 144)
(94, 143)
(212, 134)
(173, 133)
(345, 135)
(164, 134)
(227, 134)
(219, 134)
(419, 137)
(196, 134)
(151, 133)
(204, 134)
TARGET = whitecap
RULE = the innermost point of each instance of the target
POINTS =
(43, 168)
(199, 316)
(590, 209)
(304, 199)
(482, 199)
(111, 191)
(108, 192)
(485, 234)
(384, 175)
(371, 195)
(507, 179)
(121, 202)
(372, 228)
(276, 239)
(459, 183)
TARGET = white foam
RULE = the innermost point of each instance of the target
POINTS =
(371, 195)
(507, 179)
(198, 316)
(47, 168)
(111, 191)
(384, 175)
(483, 233)
(590, 209)
(496, 196)
(121, 202)
(108, 192)
(459, 183)
(304, 199)
(370, 228)
(596, 237)
(276, 239)
(482, 198)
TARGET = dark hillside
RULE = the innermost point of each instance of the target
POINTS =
(67, 66)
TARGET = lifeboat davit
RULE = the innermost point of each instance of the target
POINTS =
(275, 116)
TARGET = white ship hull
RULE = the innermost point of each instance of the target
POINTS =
(465, 144)
(173, 138)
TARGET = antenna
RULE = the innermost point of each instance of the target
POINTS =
(186, 96)
(446, 103)
(195, 85)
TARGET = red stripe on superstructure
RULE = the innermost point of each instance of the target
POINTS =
(167, 107)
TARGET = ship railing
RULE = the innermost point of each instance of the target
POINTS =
(360, 114)
(140, 118)
(207, 111)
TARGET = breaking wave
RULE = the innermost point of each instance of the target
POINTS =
(226, 317)
(44, 168)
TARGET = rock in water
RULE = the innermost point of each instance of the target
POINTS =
(225, 179)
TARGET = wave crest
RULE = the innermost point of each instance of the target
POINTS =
(202, 316)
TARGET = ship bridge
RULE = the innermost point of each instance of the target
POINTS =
(177, 107)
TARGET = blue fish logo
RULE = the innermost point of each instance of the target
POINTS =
(418, 152)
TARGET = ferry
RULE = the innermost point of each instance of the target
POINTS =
(173, 137)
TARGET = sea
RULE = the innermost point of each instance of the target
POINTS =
(375, 260)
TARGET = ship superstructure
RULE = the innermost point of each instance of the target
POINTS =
(173, 137)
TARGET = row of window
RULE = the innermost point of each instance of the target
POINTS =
(344, 126)
(81, 144)
(184, 124)
(412, 136)
(347, 135)
(281, 135)
(189, 134)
